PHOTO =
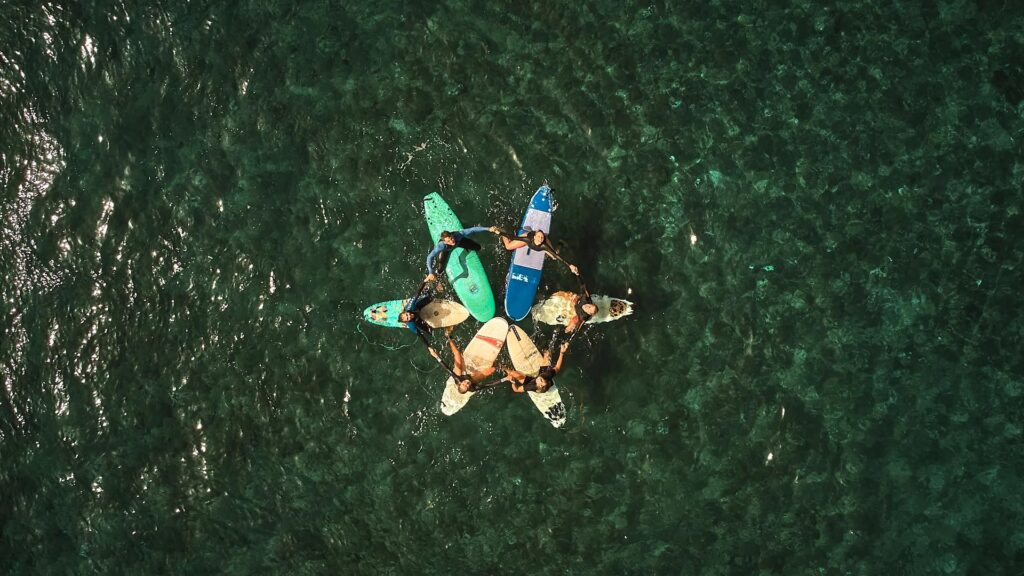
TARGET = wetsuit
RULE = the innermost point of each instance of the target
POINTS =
(547, 373)
(418, 325)
(445, 250)
(581, 301)
(531, 242)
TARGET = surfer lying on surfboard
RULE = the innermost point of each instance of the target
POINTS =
(535, 240)
(450, 241)
(543, 380)
(583, 307)
(465, 382)
(411, 314)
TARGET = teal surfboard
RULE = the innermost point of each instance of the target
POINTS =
(465, 271)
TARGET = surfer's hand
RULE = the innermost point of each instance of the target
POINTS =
(564, 347)
(574, 269)
(439, 287)
(495, 230)
(430, 278)
(435, 354)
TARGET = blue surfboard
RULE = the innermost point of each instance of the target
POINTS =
(524, 273)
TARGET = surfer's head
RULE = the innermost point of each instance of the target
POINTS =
(542, 384)
(406, 317)
(464, 385)
(539, 237)
(590, 308)
(448, 238)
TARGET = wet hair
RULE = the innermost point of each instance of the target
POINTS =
(402, 315)
(445, 235)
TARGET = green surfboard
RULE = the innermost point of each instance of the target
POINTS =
(465, 271)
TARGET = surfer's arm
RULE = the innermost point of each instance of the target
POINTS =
(515, 377)
(550, 249)
(512, 244)
(561, 356)
(430, 257)
(456, 356)
(584, 293)
(474, 230)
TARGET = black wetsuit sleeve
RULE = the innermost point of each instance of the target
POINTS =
(550, 249)
(422, 326)
(583, 288)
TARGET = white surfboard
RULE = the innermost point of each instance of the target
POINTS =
(557, 309)
(481, 353)
(528, 360)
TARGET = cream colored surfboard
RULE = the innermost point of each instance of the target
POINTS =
(557, 309)
(528, 360)
(444, 313)
(481, 353)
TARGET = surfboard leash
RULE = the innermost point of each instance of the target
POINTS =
(359, 328)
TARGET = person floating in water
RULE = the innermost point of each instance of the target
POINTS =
(544, 379)
(535, 240)
(465, 381)
(450, 241)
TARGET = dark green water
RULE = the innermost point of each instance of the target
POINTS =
(198, 201)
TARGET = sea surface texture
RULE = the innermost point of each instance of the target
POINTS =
(816, 208)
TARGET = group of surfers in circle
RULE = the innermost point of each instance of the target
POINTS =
(437, 259)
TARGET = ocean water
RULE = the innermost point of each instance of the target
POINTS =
(816, 208)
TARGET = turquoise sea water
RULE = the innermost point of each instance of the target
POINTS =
(816, 208)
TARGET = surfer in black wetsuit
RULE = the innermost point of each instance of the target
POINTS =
(449, 241)
(544, 379)
(411, 314)
(583, 308)
(535, 240)
(466, 382)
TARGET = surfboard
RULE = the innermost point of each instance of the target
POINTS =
(557, 309)
(481, 353)
(437, 314)
(465, 271)
(524, 272)
(528, 360)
